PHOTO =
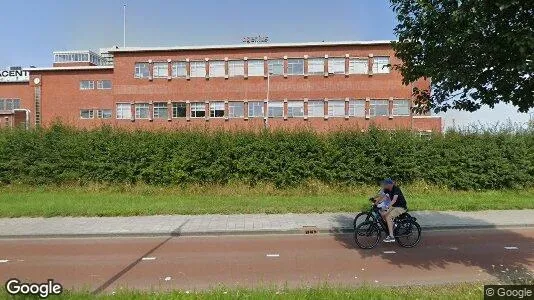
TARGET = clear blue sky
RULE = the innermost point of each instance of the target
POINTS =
(31, 30)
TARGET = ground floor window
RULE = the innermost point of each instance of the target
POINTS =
(316, 108)
(198, 109)
(9, 104)
(336, 108)
(103, 113)
(178, 110)
(142, 110)
(275, 109)
(217, 109)
(401, 108)
(160, 110)
(357, 108)
(255, 109)
(124, 111)
(379, 108)
(87, 114)
(295, 109)
(236, 109)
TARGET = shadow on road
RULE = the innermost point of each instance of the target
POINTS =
(461, 246)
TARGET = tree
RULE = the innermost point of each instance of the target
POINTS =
(475, 52)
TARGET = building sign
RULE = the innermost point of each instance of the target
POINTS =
(255, 39)
(9, 75)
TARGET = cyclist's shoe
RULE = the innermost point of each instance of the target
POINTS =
(389, 239)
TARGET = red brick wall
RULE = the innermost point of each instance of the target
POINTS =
(21, 91)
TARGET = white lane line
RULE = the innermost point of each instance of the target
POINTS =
(389, 252)
(273, 255)
(511, 248)
(4, 260)
(148, 258)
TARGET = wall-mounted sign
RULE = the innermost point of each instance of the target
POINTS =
(14, 75)
(255, 39)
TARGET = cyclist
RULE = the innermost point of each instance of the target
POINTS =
(397, 207)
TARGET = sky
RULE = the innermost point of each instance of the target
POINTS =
(31, 30)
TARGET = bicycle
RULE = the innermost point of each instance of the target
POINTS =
(406, 230)
(365, 216)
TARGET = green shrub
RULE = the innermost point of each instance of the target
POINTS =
(458, 160)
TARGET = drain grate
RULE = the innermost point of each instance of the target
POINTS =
(310, 229)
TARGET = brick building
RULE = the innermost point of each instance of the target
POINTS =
(323, 86)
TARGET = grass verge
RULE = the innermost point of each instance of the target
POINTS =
(459, 291)
(121, 200)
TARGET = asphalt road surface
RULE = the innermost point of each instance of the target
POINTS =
(106, 264)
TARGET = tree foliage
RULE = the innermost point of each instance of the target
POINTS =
(476, 52)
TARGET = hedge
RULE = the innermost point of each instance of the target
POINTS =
(459, 160)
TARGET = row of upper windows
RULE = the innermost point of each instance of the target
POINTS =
(255, 109)
(90, 84)
(9, 104)
(256, 67)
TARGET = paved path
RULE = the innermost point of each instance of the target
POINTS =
(243, 224)
(103, 265)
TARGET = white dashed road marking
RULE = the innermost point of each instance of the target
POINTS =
(511, 248)
(148, 258)
(4, 260)
(273, 255)
(389, 252)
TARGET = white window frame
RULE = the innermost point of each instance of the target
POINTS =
(197, 107)
(141, 107)
(217, 106)
(100, 85)
(160, 70)
(295, 106)
(274, 65)
(292, 63)
(275, 106)
(123, 111)
(258, 67)
(91, 85)
(9, 104)
(253, 107)
(197, 69)
(138, 70)
(358, 65)
(334, 65)
(313, 66)
(373, 103)
(100, 113)
(314, 105)
(232, 109)
(217, 68)
(91, 114)
(178, 66)
(379, 65)
(355, 108)
(236, 68)
(401, 104)
(156, 107)
(176, 106)
(336, 108)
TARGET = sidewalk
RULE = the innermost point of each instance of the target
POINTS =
(243, 224)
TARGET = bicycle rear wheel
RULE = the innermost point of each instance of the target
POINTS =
(407, 233)
(367, 235)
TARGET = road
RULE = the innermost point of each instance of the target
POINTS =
(106, 264)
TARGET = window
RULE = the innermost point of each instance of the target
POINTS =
(276, 67)
(198, 69)
(217, 68)
(178, 110)
(87, 85)
(255, 109)
(124, 111)
(401, 108)
(141, 70)
(217, 109)
(87, 114)
(103, 84)
(9, 104)
(295, 66)
(236, 109)
(336, 108)
(336, 65)
(142, 110)
(316, 66)
(256, 67)
(103, 113)
(358, 66)
(357, 108)
(198, 109)
(316, 108)
(160, 70)
(179, 69)
(160, 110)
(380, 64)
(295, 109)
(379, 108)
(236, 68)
(275, 109)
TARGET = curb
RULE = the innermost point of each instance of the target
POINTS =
(332, 231)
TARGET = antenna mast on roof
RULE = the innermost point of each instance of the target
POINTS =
(124, 25)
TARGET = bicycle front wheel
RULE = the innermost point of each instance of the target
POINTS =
(360, 218)
(367, 235)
